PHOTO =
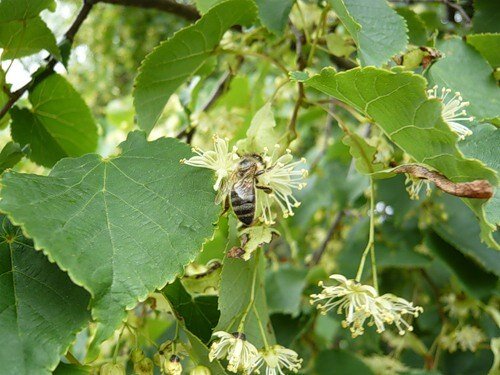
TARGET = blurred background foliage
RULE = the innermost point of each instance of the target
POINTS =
(428, 250)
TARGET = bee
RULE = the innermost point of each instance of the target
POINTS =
(242, 185)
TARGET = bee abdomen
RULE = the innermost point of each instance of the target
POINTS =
(243, 208)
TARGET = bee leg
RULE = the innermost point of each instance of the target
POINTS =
(266, 189)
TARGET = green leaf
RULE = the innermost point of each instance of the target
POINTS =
(274, 14)
(398, 103)
(68, 369)
(363, 154)
(483, 145)
(339, 362)
(464, 70)
(417, 33)
(377, 41)
(339, 45)
(41, 310)
(21, 38)
(10, 155)
(204, 5)
(459, 230)
(198, 353)
(284, 288)
(472, 277)
(488, 45)
(486, 16)
(200, 314)
(58, 125)
(261, 132)
(121, 227)
(176, 59)
(11, 10)
(235, 295)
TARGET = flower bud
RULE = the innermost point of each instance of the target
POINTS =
(144, 367)
(173, 366)
(200, 370)
(112, 369)
(137, 355)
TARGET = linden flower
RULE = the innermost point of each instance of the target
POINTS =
(239, 352)
(414, 185)
(469, 338)
(459, 306)
(221, 160)
(275, 359)
(453, 110)
(172, 366)
(466, 338)
(384, 365)
(362, 303)
(282, 177)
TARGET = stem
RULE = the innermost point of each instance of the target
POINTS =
(317, 35)
(261, 328)
(241, 326)
(372, 234)
(115, 353)
(259, 55)
(370, 247)
(303, 20)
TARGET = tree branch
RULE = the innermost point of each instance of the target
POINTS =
(188, 12)
(52, 61)
(479, 189)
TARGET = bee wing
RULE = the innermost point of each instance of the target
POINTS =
(244, 188)
(225, 189)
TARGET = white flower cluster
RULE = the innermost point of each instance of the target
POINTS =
(453, 111)
(465, 338)
(361, 303)
(243, 356)
(280, 176)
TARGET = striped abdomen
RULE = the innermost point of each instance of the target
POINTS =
(243, 201)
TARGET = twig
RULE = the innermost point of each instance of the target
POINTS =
(449, 3)
(316, 257)
(301, 65)
(69, 36)
(479, 189)
(221, 87)
(188, 12)
(459, 9)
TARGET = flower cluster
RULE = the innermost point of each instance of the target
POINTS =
(280, 176)
(453, 111)
(465, 338)
(361, 303)
(243, 356)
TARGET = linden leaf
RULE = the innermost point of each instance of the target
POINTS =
(261, 132)
(463, 69)
(41, 310)
(238, 279)
(398, 104)
(488, 45)
(377, 41)
(59, 124)
(121, 227)
(363, 154)
(11, 10)
(176, 59)
(21, 38)
(199, 314)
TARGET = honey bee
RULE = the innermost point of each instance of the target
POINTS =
(241, 187)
